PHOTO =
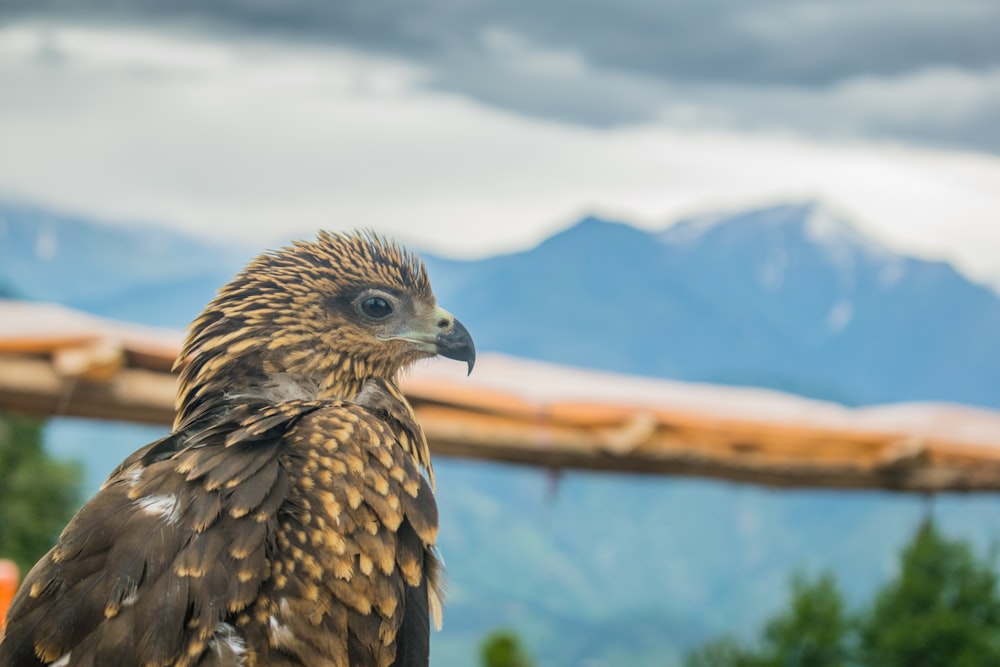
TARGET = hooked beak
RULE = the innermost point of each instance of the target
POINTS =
(455, 342)
(439, 333)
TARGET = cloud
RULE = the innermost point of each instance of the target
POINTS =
(725, 41)
(935, 107)
(249, 139)
(826, 68)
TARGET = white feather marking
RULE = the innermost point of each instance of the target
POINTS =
(61, 662)
(226, 640)
(132, 596)
(165, 506)
(134, 476)
(281, 636)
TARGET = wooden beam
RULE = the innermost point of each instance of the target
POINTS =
(695, 451)
(32, 386)
(496, 426)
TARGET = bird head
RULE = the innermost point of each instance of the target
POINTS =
(316, 320)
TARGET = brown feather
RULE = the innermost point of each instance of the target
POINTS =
(285, 521)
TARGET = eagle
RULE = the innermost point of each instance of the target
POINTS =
(289, 518)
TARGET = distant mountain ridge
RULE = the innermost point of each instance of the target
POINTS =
(81, 262)
(609, 569)
(789, 297)
(792, 297)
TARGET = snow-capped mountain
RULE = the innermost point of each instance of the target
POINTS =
(613, 569)
(845, 247)
(792, 297)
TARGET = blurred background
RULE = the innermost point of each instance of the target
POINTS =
(801, 196)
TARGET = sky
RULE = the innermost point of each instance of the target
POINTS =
(469, 128)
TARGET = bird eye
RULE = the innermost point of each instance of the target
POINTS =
(376, 308)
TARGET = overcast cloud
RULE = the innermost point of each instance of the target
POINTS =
(471, 129)
(925, 72)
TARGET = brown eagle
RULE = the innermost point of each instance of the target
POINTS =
(287, 519)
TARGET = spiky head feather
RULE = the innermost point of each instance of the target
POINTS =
(284, 323)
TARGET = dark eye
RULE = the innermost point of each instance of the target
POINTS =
(376, 308)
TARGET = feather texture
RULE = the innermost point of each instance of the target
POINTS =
(287, 519)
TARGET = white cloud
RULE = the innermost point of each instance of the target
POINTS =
(947, 93)
(521, 55)
(243, 138)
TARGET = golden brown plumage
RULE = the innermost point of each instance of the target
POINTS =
(286, 520)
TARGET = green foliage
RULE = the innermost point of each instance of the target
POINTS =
(812, 632)
(722, 652)
(503, 649)
(941, 610)
(37, 495)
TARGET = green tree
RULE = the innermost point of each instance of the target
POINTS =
(811, 632)
(942, 609)
(503, 649)
(722, 652)
(37, 495)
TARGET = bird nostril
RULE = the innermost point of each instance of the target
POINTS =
(444, 323)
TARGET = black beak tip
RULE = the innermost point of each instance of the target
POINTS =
(458, 344)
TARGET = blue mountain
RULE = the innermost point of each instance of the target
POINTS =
(612, 569)
(791, 297)
(141, 273)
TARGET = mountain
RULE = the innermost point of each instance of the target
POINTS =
(614, 569)
(141, 273)
(791, 297)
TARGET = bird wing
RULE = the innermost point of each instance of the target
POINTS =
(151, 569)
(302, 536)
(355, 570)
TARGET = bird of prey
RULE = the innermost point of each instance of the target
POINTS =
(288, 518)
